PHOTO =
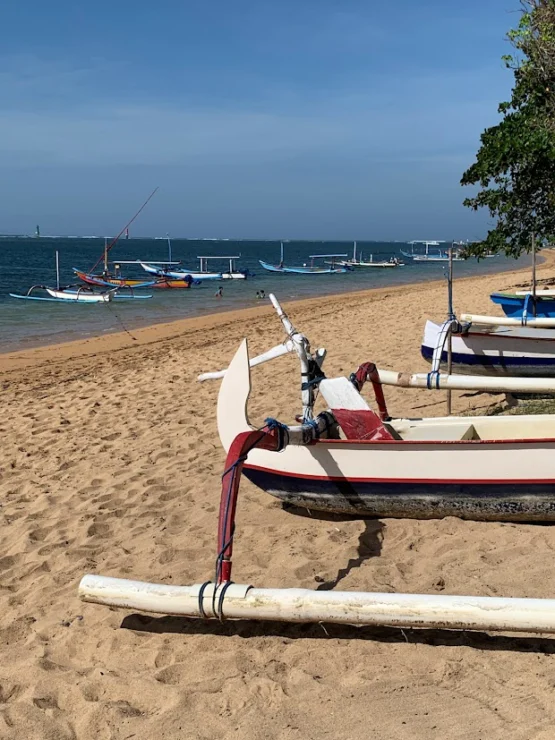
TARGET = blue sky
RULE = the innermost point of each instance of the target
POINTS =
(306, 119)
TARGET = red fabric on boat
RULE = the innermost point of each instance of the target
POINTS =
(361, 424)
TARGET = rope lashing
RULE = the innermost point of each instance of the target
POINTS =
(281, 429)
(433, 380)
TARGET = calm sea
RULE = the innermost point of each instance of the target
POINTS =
(28, 261)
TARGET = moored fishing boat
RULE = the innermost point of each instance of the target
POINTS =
(312, 269)
(393, 261)
(112, 281)
(74, 293)
(433, 252)
(162, 270)
(494, 350)
(64, 295)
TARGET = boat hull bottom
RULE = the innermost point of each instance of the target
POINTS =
(521, 502)
(500, 365)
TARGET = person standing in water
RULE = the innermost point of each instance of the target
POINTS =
(219, 293)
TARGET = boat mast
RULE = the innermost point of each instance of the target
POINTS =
(281, 260)
(57, 270)
(127, 225)
(106, 255)
(534, 266)
(354, 251)
(451, 317)
(169, 248)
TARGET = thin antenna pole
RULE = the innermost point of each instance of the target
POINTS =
(127, 225)
(451, 318)
(534, 266)
(57, 270)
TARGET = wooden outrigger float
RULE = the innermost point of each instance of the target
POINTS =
(336, 455)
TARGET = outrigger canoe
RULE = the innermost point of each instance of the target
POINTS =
(113, 282)
(352, 460)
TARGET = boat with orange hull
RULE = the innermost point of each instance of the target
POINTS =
(109, 281)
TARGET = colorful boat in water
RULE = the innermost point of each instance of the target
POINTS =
(393, 261)
(163, 269)
(111, 280)
(77, 293)
(312, 269)
(433, 252)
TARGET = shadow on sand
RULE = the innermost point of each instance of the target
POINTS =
(250, 629)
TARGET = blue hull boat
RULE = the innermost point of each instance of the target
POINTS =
(525, 306)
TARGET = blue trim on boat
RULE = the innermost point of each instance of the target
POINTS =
(304, 270)
(488, 360)
(514, 305)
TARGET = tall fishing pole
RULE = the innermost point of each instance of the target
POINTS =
(127, 225)
(452, 318)
(534, 268)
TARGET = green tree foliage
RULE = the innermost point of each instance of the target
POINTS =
(515, 165)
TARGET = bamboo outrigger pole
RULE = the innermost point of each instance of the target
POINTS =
(534, 267)
(235, 601)
(451, 318)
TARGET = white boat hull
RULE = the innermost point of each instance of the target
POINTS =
(181, 274)
(505, 351)
(506, 470)
(79, 296)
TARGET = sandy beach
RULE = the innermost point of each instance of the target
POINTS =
(111, 464)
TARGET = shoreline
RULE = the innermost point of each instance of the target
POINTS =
(152, 334)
